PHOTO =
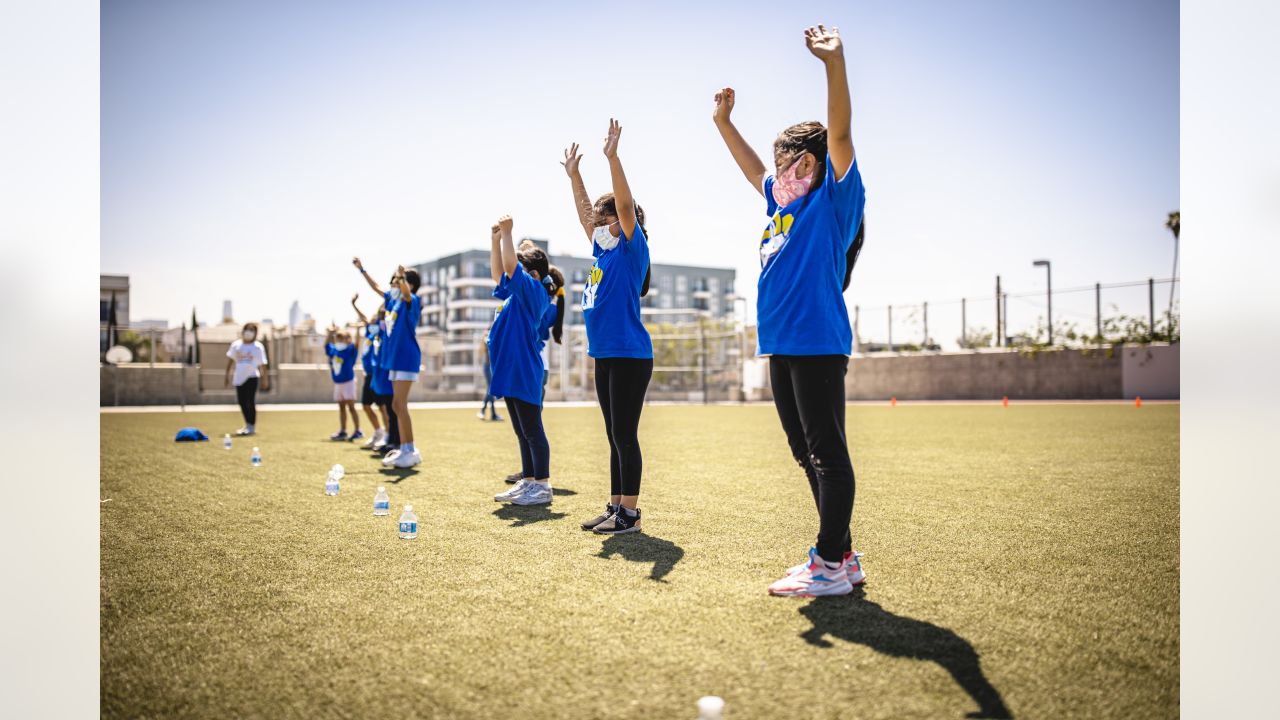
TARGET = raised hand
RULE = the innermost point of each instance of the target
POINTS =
(571, 158)
(611, 140)
(505, 224)
(724, 105)
(494, 233)
(823, 43)
(354, 297)
(356, 261)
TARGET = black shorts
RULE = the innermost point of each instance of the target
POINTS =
(367, 396)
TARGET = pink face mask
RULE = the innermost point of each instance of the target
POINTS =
(788, 188)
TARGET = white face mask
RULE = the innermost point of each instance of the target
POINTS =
(605, 239)
(248, 335)
(395, 293)
(341, 346)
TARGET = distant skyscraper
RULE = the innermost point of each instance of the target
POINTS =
(226, 313)
(295, 314)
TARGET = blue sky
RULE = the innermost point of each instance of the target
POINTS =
(250, 149)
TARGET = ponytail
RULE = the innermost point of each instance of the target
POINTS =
(557, 329)
(855, 249)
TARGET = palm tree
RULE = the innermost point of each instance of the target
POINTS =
(1173, 222)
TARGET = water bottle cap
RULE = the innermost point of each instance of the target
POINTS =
(381, 489)
(710, 706)
(255, 449)
(408, 508)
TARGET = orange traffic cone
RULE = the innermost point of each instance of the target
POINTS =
(1005, 401)
(1137, 402)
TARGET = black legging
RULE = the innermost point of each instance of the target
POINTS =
(393, 422)
(620, 386)
(246, 394)
(535, 453)
(808, 391)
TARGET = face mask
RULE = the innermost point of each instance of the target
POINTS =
(395, 293)
(341, 346)
(248, 335)
(788, 188)
(604, 238)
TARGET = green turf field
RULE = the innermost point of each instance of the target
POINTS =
(1024, 558)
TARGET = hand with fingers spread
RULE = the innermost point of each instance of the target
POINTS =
(611, 140)
(571, 159)
(724, 105)
(823, 43)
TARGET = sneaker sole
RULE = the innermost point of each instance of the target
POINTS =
(842, 589)
(540, 502)
(616, 532)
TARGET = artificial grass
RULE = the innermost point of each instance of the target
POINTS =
(1022, 558)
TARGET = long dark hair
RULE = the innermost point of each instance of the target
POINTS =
(557, 329)
(606, 205)
(855, 249)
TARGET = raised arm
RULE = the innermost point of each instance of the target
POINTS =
(581, 200)
(329, 332)
(748, 161)
(507, 246)
(622, 199)
(367, 276)
(405, 293)
(359, 314)
(495, 254)
(826, 46)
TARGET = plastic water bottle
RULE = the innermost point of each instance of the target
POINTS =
(338, 471)
(408, 524)
(331, 484)
(226, 442)
(710, 708)
(381, 502)
(256, 458)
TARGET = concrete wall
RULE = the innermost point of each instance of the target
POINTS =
(1149, 371)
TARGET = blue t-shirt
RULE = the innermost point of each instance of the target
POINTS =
(342, 363)
(513, 338)
(800, 301)
(381, 384)
(611, 300)
(400, 352)
(366, 352)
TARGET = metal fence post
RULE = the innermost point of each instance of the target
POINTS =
(1097, 308)
(891, 328)
(964, 325)
(857, 341)
(152, 358)
(925, 342)
(999, 318)
(1151, 306)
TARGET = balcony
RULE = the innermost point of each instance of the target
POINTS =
(467, 282)
(490, 303)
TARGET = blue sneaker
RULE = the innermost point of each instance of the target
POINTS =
(355, 436)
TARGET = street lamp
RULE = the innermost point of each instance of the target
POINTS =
(1048, 274)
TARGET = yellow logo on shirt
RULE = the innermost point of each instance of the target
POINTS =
(593, 284)
(775, 235)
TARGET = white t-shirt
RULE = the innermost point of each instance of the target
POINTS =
(248, 358)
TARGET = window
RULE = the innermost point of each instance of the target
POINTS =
(682, 284)
(104, 310)
(579, 275)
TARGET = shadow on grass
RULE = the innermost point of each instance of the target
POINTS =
(855, 619)
(638, 547)
(398, 473)
(561, 492)
(521, 515)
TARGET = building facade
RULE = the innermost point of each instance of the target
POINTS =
(112, 287)
(458, 303)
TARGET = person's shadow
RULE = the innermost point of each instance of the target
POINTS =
(642, 548)
(521, 515)
(398, 473)
(857, 620)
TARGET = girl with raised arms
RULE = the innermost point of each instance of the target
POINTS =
(814, 201)
(401, 355)
(616, 338)
(524, 282)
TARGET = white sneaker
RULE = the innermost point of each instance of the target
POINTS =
(852, 562)
(534, 493)
(513, 493)
(377, 435)
(390, 458)
(407, 459)
(816, 580)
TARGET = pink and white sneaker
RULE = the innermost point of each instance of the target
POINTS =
(816, 580)
(853, 565)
